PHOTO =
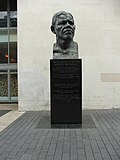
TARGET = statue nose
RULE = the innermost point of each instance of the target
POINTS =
(68, 24)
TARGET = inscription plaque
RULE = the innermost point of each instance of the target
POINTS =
(66, 91)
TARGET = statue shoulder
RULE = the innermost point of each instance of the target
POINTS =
(75, 44)
(56, 48)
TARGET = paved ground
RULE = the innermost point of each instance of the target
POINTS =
(24, 140)
(10, 117)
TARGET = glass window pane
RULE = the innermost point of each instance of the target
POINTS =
(13, 35)
(3, 13)
(13, 52)
(3, 86)
(13, 5)
(3, 52)
(13, 13)
(3, 71)
(13, 72)
(13, 85)
(3, 36)
(13, 19)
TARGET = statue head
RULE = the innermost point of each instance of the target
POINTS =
(63, 26)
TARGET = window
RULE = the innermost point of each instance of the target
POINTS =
(3, 85)
(3, 13)
(8, 50)
(13, 13)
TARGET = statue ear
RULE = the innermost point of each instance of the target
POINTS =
(53, 29)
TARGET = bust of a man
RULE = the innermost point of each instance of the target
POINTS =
(64, 28)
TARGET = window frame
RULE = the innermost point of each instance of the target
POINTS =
(9, 66)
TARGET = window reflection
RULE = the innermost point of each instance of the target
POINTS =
(3, 14)
(13, 85)
(13, 13)
(3, 53)
(13, 18)
(3, 85)
(3, 36)
(13, 52)
(13, 35)
(3, 19)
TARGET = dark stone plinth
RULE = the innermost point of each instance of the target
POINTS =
(66, 91)
(45, 122)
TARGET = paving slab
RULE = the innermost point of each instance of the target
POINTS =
(29, 136)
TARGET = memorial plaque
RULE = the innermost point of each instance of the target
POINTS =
(66, 91)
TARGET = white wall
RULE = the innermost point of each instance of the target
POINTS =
(98, 35)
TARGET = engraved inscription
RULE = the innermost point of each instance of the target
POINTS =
(66, 80)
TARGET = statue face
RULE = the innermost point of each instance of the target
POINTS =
(64, 27)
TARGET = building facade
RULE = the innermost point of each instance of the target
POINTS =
(26, 49)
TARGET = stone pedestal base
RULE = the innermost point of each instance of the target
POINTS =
(66, 91)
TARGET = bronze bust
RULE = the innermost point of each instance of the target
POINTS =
(64, 28)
